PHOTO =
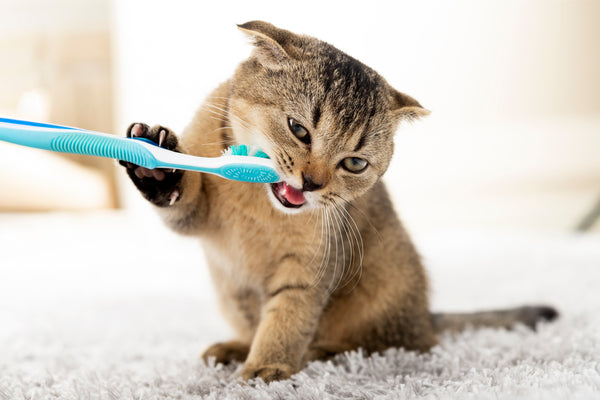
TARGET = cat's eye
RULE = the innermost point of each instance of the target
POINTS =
(354, 164)
(299, 131)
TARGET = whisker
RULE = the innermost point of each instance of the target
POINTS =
(341, 241)
(223, 115)
(329, 238)
(360, 247)
(350, 236)
(221, 142)
(363, 214)
(248, 127)
(323, 264)
(333, 277)
(226, 113)
(231, 112)
(335, 239)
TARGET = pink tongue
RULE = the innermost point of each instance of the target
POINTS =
(291, 194)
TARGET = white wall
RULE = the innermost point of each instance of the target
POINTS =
(513, 86)
(461, 58)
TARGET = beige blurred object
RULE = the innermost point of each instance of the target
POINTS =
(60, 72)
(37, 180)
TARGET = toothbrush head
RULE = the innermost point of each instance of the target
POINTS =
(258, 167)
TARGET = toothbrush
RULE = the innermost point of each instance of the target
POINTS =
(238, 163)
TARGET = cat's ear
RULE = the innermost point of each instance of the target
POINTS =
(405, 107)
(273, 46)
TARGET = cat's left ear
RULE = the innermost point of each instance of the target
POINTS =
(273, 46)
(405, 107)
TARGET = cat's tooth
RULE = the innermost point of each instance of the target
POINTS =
(173, 197)
(161, 137)
(283, 190)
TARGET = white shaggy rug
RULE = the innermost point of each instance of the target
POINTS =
(110, 306)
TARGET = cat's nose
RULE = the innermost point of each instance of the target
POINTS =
(308, 184)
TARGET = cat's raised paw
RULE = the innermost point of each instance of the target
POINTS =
(159, 186)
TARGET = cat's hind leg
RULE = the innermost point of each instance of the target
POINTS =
(226, 352)
(326, 351)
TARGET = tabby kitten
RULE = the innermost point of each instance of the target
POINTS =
(319, 263)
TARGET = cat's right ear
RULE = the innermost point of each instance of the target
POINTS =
(272, 46)
(405, 107)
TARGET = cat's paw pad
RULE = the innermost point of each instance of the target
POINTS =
(159, 186)
(226, 352)
(268, 373)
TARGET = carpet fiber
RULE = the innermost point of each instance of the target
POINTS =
(104, 327)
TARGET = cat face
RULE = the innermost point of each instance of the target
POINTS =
(325, 119)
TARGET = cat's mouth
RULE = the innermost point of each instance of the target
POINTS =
(287, 195)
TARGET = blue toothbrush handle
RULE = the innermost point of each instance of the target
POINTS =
(95, 144)
(137, 151)
(75, 141)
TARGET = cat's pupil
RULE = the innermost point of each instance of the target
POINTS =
(299, 131)
(354, 164)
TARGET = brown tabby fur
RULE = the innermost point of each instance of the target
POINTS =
(340, 272)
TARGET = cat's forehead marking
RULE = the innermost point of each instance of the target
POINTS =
(365, 131)
(351, 90)
(316, 117)
(361, 142)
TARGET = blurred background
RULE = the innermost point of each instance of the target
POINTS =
(513, 141)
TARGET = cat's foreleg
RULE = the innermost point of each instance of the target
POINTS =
(290, 317)
(176, 193)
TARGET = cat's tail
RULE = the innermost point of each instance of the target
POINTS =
(508, 318)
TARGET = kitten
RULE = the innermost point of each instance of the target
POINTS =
(319, 263)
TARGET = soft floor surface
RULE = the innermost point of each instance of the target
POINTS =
(96, 307)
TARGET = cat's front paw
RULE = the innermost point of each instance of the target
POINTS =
(159, 186)
(268, 373)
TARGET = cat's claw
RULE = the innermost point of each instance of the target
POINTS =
(174, 196)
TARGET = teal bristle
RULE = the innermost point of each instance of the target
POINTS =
(244, 150)
(260, 153)
(239, 150)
